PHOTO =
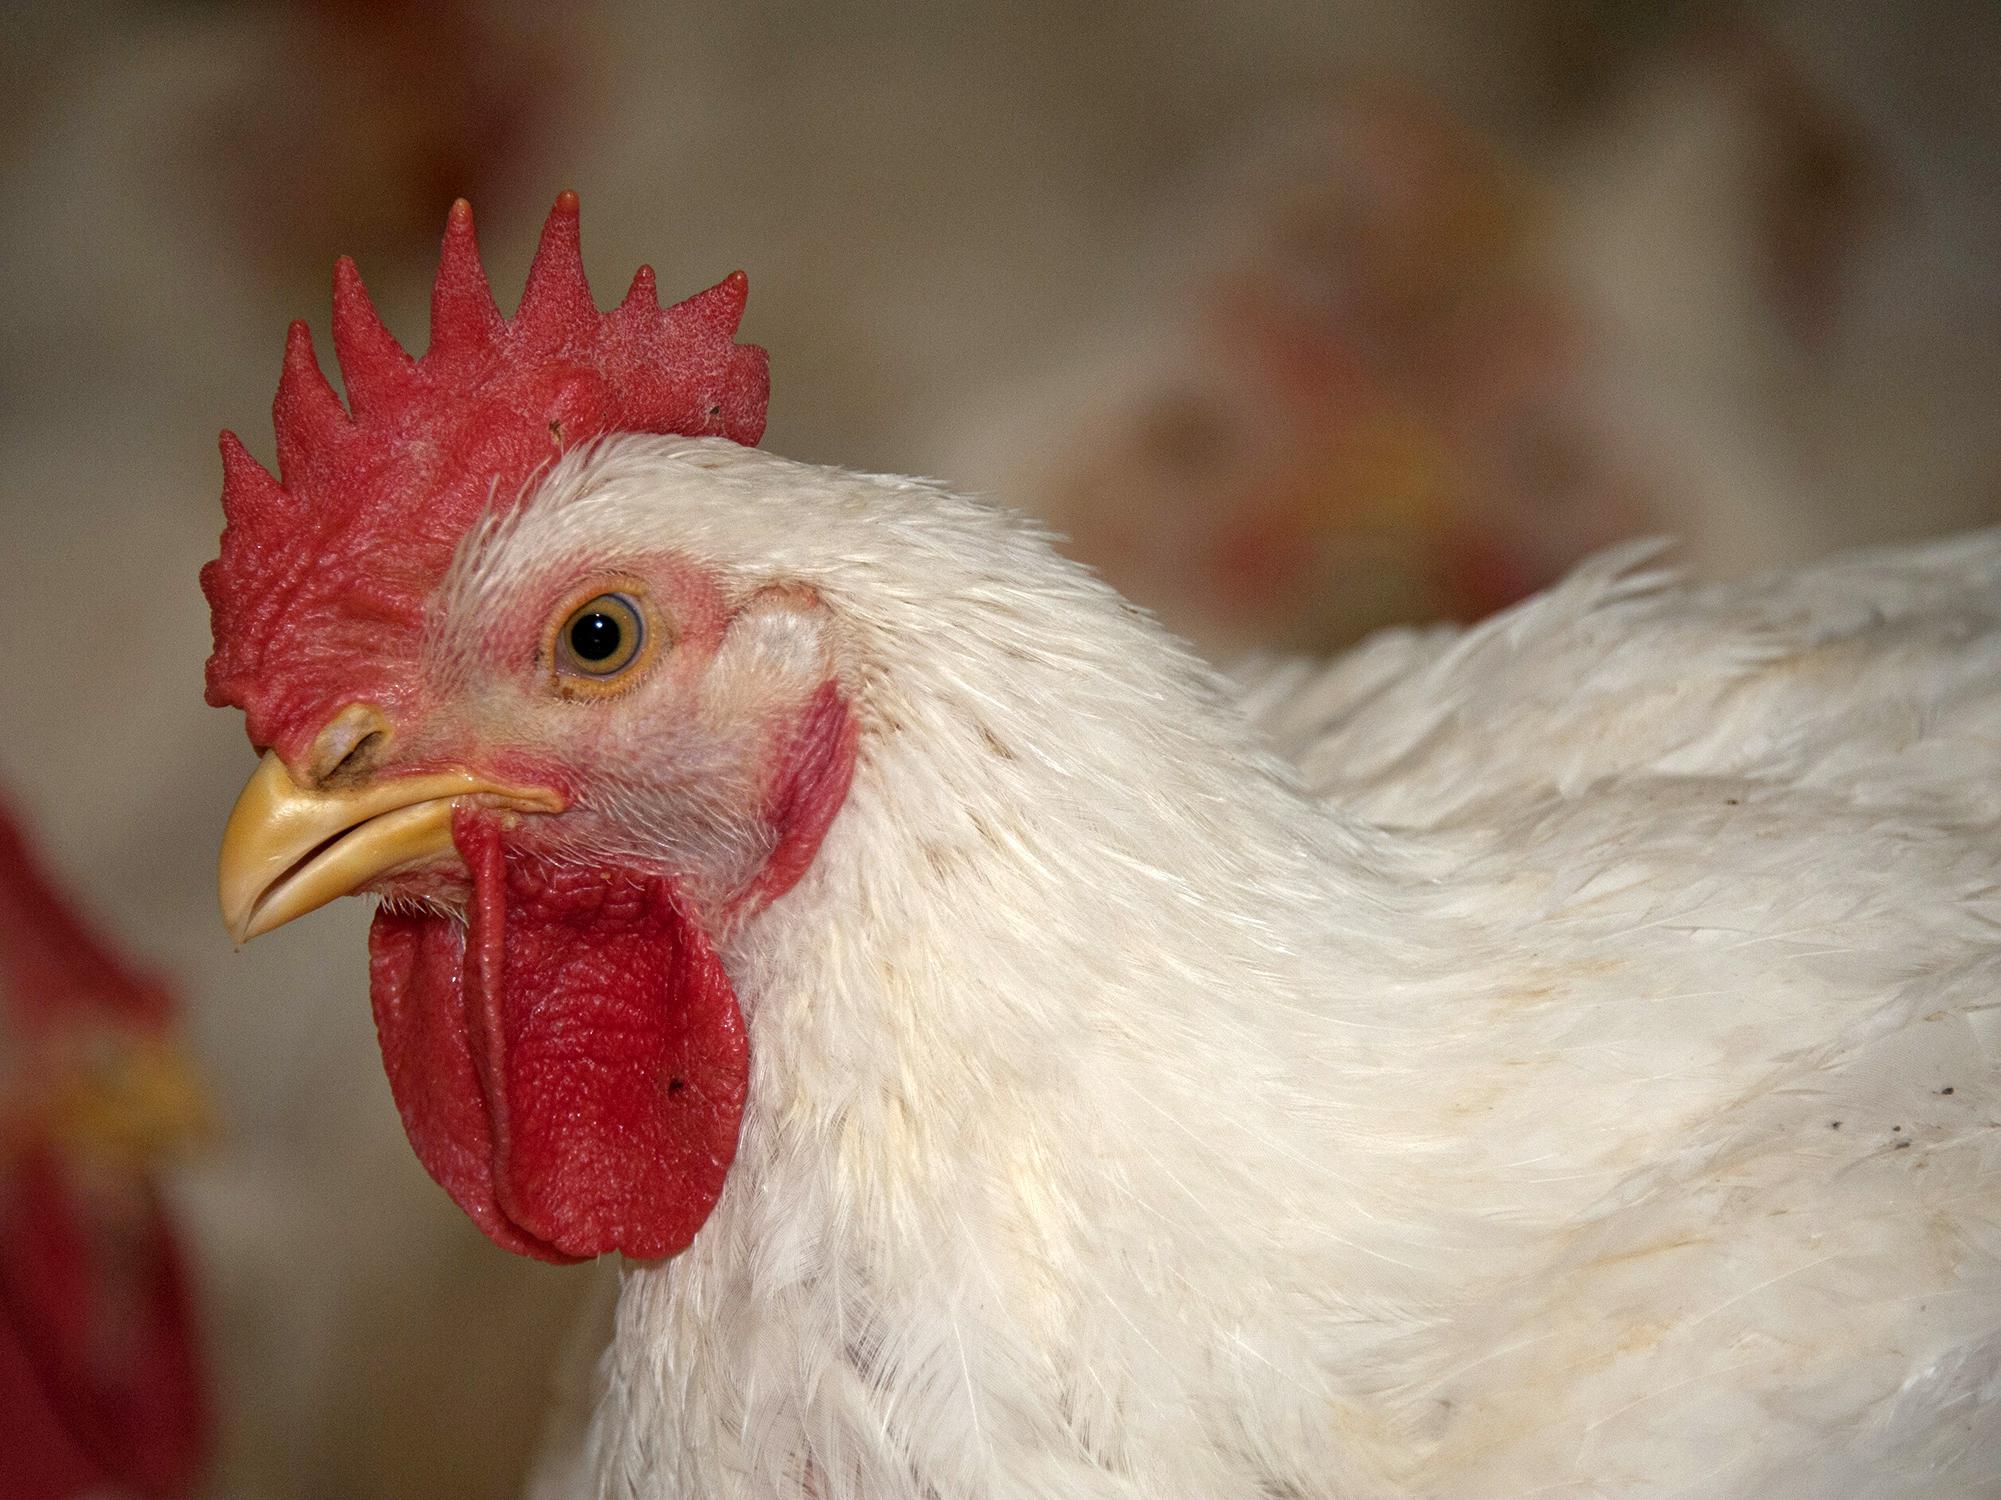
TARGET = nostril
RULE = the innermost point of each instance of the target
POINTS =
(347, 749)
(356, 762)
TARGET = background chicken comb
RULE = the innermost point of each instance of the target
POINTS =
(324, 568)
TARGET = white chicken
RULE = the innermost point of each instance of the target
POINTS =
(1568, 1070)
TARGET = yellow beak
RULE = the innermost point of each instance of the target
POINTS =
(288, 851)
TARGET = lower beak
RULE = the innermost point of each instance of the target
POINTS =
(288, 851)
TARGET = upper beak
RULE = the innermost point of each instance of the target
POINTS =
(288, 850)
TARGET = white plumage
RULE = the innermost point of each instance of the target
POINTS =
(1569, 1071)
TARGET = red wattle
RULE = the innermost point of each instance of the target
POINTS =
(570, 1064)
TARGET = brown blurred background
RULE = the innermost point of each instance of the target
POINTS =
(1299, 318)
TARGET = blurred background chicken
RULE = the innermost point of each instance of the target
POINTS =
(1747, 252)
(102, 1382)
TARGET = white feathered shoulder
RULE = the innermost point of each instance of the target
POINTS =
(1751, 833)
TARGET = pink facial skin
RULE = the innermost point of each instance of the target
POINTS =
(571, 1062)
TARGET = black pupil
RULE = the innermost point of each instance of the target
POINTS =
(595, 636)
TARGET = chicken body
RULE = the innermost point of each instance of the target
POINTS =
(1570, 1073)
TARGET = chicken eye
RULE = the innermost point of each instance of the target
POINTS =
(599, 640)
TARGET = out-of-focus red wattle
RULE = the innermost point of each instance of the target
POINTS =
(100, 1389)
(101, 1383)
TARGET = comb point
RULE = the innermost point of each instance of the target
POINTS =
(644, 291)
(372, 363)
(720, 308)
(250, 493)
(556, 303)
(463, 312)
(310, 422)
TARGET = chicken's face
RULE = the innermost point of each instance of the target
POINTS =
(649, 715)
(611, 758)
(570, 756)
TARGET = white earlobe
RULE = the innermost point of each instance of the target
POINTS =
(777, 642)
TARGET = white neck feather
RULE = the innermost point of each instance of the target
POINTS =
(980, 1175)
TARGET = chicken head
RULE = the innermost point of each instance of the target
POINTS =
(568, 760)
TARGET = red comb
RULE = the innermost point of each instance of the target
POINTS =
(319, 593)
